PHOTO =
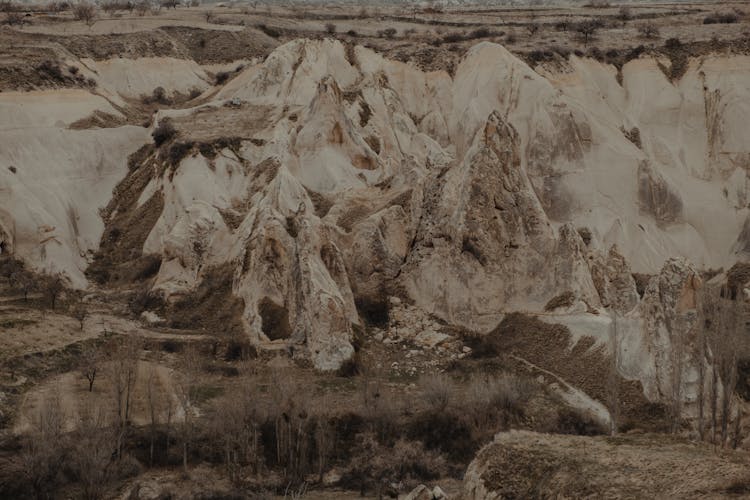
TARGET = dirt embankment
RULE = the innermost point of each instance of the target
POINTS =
(525, 464)
(584, 365)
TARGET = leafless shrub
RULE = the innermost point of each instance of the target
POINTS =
(79, 312)
(330, 28)
(438, 391)
(625, 13)
(648, 30)
(721, 18)
(13, 19)
(44, 449)
(374, 465)
(388, 33)
(52, 286)
(141, 8)
(186, 383)
(488, 401)
(723, 342)
(90, 365)
(236, 422)
(91, 458)
(86, 12)
(123, 371)
(164, 132)
(587, 29)
(111, 7)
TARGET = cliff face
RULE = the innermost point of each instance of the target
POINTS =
(327, 178)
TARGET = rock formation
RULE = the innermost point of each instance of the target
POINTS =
(325, 179)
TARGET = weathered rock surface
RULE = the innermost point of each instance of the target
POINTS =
(336, 178)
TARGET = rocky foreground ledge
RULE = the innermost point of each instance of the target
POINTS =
(522, 464)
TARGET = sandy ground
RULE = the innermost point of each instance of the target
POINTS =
(75, 398)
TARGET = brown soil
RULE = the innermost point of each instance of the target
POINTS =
(549, 347)
(120, 256)
(526, 464)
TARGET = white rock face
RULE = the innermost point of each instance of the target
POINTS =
(367, 178)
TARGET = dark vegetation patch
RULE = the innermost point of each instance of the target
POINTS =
(565, 299)
(548, 346)
(721, 18)
(164, 132)
(212, 307)
(633, 135)
(119, 258)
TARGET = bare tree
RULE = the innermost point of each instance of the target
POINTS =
(123, 368)
(186, 383)
(90, 362)
(45, 451)
(52, 286)
(80, 312)
(723, 321)
(155, 399)
(142, 7)
(613, 382)
(437, 390)
(86, 12)
(587, 29)
(678, 332)
(236, 422)
(649, 31)
(94, 445)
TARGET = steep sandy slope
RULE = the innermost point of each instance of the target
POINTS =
(53, 180)
(327, 178)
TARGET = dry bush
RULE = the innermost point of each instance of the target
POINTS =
(86, 12)
(574, 421)
(13, 19)
(79, 312)
(388, 33)
(236, 423)
(123, 370)
(164, 132)
(141, 8)
(587, 29)
(91, 457)
(52, 286)
(438, 391)
(625, 13)
(649, 31)
(89, 365)
(721, 18)
(45, 448)
(375, 466)
(565, 299)
(330, 28)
